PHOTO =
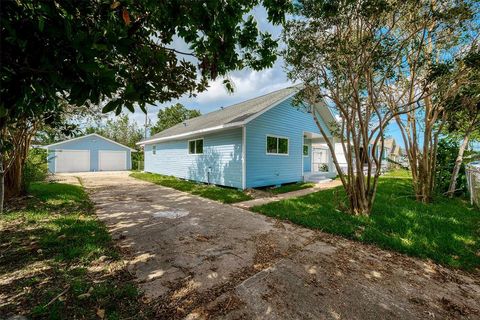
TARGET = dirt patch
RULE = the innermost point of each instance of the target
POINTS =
(184, 299)
(258, 194)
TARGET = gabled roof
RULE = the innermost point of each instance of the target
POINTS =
(88, 135)
(236, 115)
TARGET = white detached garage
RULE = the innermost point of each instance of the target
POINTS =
(91, 152)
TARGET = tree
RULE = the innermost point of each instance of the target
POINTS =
(345, 53)
(62, 123)
(173, 115)
(119, 129)
(433, 33)
(461, 96)
(120, 54)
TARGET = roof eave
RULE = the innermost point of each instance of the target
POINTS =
(192, 133)
(217, 128)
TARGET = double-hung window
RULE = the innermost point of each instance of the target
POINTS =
(277, 145)
(154, 149)
(195, 146)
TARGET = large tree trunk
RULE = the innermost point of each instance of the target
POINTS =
(20, 138)
(423, 156)
(2, 183)
(14, 177)
(458, 163)
(360, 189)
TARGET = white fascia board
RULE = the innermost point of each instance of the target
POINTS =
(192, 133)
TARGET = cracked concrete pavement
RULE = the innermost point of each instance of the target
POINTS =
(196, 259)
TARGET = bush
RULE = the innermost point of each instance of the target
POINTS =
(137, 160)
(35, 168)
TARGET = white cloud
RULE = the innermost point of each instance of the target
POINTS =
(246, 85)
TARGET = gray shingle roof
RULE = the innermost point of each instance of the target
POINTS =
(227, 116)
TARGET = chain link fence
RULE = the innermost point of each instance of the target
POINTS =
(473, 181)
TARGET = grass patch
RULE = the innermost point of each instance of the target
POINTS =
(221, 194)
(52, 244)
(446, 231)
(291, 187)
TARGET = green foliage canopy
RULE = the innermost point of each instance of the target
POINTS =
(93, 51)
(173, 115)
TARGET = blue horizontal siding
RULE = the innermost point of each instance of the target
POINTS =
(220, 163)
(307, 160)
(92, 143)
(282, 120)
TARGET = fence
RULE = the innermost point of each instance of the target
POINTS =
(473, 181)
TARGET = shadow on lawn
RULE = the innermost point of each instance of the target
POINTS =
(445, 231)
(50, 253)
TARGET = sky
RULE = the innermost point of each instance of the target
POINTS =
(247, 83)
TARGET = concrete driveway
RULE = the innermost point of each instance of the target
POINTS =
(197, 259)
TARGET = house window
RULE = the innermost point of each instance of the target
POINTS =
(277, 145)
(305, 150)
(154, 149)
(195, 146)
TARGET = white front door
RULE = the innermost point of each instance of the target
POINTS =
(320, 157)
(72, 160)
(112, 160)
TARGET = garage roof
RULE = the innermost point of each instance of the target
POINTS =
(88, 135)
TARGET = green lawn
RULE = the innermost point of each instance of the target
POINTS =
(222, 194)
(291, 187)
(50, 246)
(446, 231)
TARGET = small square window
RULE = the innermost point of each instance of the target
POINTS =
(195, 146)
(277, 145)
(305, 150)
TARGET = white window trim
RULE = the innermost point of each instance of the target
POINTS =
(308, 148)
(188, 146)
(278, 137)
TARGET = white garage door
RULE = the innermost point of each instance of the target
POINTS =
(112, 160)
(72, 160)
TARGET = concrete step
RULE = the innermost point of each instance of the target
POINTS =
(318, 180)
(316, 177)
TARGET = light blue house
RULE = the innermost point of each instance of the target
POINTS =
(91, 152)
(260, 142)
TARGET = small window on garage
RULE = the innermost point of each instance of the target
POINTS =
(277, 145)
(195, 146)
(305, 150)
(154, 149)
